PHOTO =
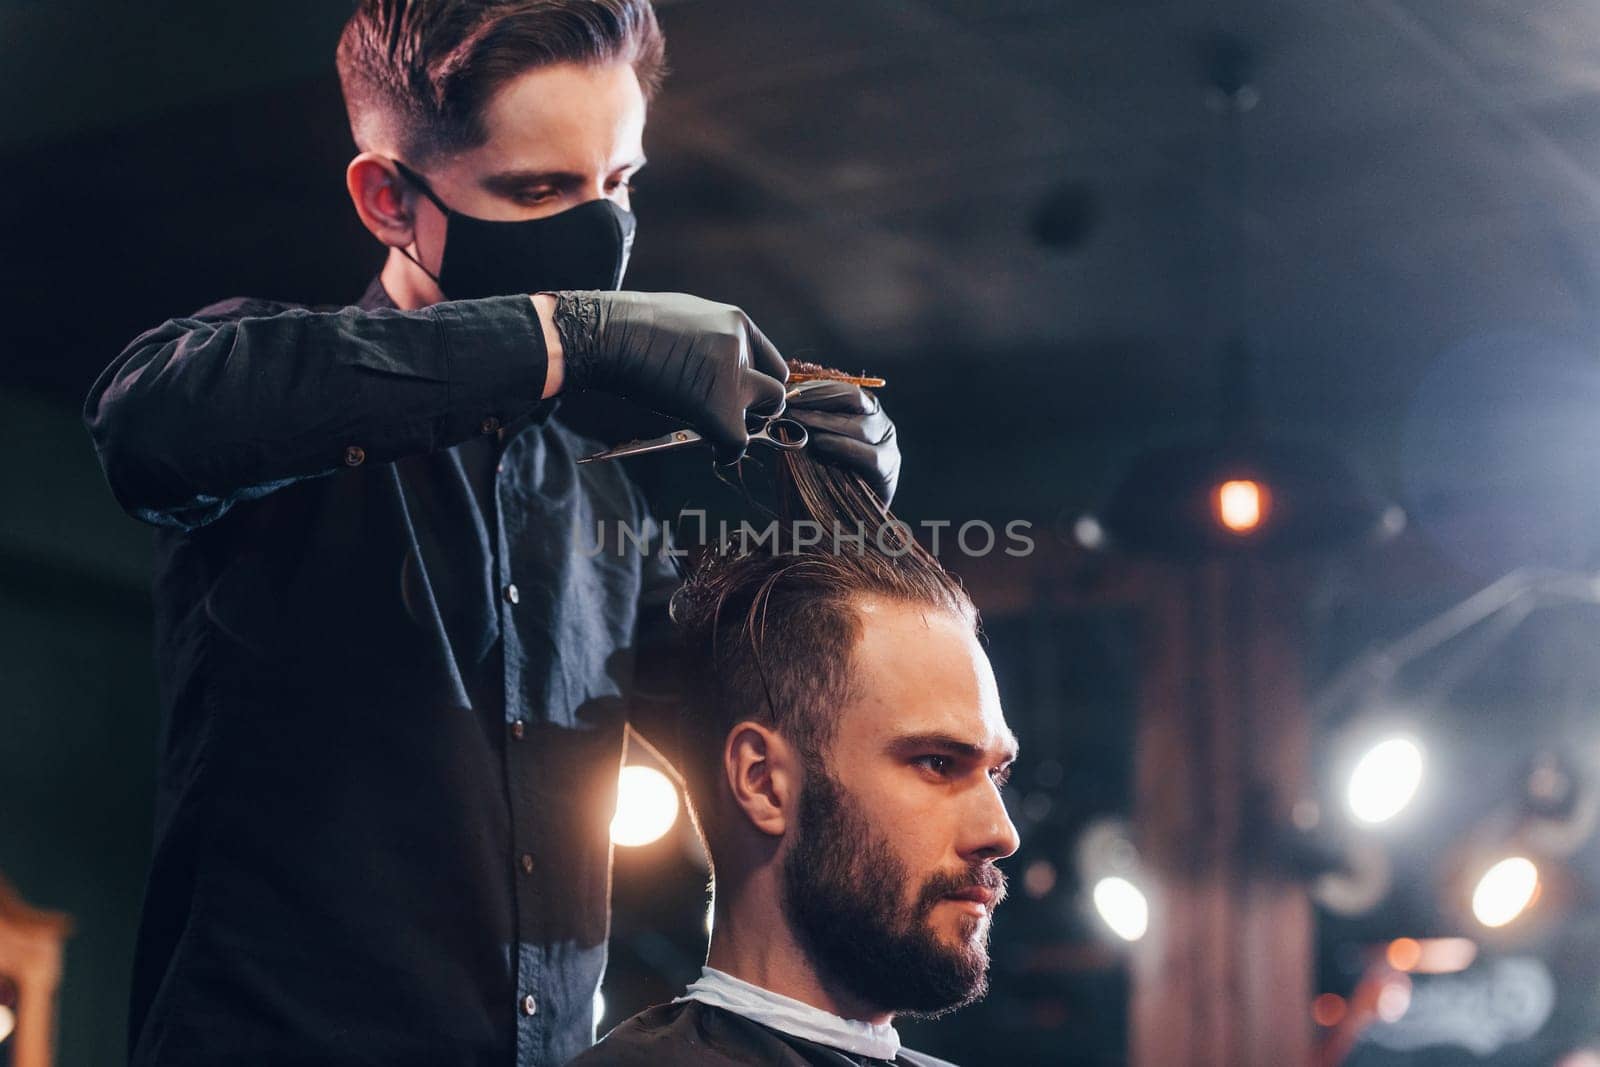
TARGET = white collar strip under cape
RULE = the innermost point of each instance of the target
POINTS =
(794, 1017)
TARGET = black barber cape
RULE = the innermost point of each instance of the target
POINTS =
(691, 1034)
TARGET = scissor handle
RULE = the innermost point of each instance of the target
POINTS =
(784, 434)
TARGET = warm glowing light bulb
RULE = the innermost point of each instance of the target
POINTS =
(1505, 891)
(1241, 505)
(1385, 780)
(1123, 907)
(647, 806)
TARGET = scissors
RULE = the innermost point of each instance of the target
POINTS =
(774, 431)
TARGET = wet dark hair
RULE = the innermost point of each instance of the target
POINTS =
(417, 73)
(767, 633)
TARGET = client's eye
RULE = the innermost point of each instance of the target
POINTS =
(939, 765)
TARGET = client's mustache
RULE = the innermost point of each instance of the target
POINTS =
(946, 883)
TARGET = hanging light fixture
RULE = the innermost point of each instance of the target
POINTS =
(1239, 490)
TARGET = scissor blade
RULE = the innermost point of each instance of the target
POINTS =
(675, 439)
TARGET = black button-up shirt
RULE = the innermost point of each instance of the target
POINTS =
(394, 672)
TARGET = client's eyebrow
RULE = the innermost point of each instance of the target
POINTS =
(911, 744)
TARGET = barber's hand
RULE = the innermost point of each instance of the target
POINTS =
(849, 429)
(695, 360)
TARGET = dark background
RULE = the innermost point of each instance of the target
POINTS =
(1021, 212)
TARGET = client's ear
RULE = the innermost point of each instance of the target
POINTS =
(763, 776)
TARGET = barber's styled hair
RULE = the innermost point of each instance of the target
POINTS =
(417, 73)
(767, 635)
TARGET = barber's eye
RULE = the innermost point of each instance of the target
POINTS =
(537, 196)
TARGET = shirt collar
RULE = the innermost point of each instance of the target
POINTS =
(376, 295)
(793, 1017)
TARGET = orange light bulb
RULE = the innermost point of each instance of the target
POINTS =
(1241, 505)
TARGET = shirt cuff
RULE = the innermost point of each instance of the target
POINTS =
(494, 349)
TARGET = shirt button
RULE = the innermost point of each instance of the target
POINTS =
(512, 595)
(529, 1005)
(490, 424)
(518, 729)
(527, 863)
(354, 456)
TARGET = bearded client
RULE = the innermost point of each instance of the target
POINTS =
(846, 784)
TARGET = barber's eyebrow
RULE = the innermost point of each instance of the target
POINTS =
(910, 744)
(509, 181)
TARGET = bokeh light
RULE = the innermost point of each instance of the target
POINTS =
(1328, 1010)
(1444, 955)
(1385, 780)
(1123, 907)
(1394, 999)
(1241, 505)
(1404, 954)
(647, 806)
(8, 1022)
(1505, 891)
(1089, 533)
(1038, 878)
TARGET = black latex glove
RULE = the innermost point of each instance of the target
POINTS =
(849, 429)
(704, 363)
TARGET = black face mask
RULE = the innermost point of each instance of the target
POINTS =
(585, 247)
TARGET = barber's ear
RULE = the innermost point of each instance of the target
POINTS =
(387, 206)
(763, 775)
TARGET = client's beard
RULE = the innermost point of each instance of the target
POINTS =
(843, 893)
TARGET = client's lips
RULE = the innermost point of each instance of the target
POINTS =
(977, 894)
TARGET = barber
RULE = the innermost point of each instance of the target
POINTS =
(393, 692)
